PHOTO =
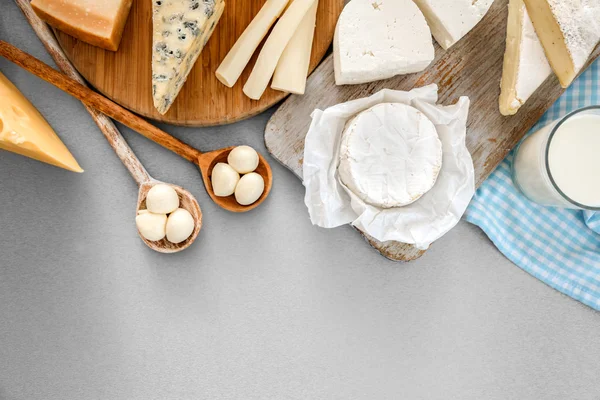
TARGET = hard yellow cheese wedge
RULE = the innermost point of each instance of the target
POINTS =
(24, 131)
(97, 22)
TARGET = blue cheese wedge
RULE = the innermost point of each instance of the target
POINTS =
(390, 155)
(181, 28)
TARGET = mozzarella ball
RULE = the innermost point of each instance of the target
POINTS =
(151, 226)
(180, 226)
(249, 189)
(243, 159)
(162, 199)
(224, 180)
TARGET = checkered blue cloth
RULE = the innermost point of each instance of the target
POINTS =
(559, 247)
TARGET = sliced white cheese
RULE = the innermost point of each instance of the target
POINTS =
(236, 60)
(181, 28)
(450, 20)
(525, 64)
(274, 46)
(292, 68)
(569, 31)
(390, 155)
(378, 39)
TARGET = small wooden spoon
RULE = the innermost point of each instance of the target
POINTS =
(204, 161)
(117, 142)
(186, 201)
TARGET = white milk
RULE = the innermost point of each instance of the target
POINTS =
(573, 157)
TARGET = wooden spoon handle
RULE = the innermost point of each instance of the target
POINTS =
(97, 101)
(108, 128)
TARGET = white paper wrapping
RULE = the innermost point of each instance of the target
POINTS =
(331, 204)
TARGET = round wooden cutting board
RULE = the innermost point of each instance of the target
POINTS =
(125, 76)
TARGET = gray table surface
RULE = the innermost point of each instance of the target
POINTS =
(263, 305)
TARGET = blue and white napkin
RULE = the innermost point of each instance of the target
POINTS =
(560, 247)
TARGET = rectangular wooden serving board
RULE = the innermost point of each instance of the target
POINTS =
(472, 67)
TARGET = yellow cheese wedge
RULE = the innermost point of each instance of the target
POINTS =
(97, 22)
(24, 131)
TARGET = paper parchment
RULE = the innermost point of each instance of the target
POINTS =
(331, 204)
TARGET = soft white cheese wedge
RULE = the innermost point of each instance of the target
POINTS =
(525, 64)
(378, 39)
(181, 28)
(390, 155)
(450, 20)
(569, 31)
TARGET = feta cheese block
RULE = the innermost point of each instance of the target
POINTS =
(390, 155)
(376, 40)
(525, 64)
(451, 20)
(24, 131)
(99, 23)
(181, 28)
(569, 31)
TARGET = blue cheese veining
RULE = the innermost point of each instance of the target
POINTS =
(181, 29)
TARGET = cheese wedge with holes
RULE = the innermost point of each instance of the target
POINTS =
(99, 23)
(233, 65)
(24, 131)
(181, 29)
(451, 20)
(292, 69)
(569, 31)
(274, 46)
(525, 64)
(379, 39)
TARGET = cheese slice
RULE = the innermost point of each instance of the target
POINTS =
(390, 155)
(569, 31)
(525, 64)
(238, 57)
(181, 28)
(24, 131)
(451, 20)
(379, 39)
(274, 46)
(292, 69)
(99, 23)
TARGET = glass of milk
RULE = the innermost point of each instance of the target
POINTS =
(559, 165)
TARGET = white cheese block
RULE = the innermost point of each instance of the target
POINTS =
(376, 40)
(569, 31)
(236, 60)
(181, 28)
(274, 47)
(450, 20)
(390, 155)
(525, 64)
(292, 68)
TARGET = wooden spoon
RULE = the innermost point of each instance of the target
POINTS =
(204, 161)
(117, 142)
